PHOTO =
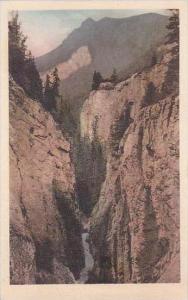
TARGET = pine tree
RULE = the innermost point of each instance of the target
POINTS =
(21, 62)
(48, 101)
(51, 91)
(173, 27)
(55, 83)
(34, 83)
(97, 79)
(172, 77)
(55, 89)
(94, 81)
(17, 49)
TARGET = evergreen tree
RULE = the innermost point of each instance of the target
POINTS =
(34, 86)
(94, 85)
(114, 76)
(55, 83)
(51, 92)
(173, 27)
(21, 62)
(97, 79)
(17, 49)
(48, 101)
(172, 78)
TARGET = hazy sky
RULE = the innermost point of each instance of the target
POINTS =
(47, 29)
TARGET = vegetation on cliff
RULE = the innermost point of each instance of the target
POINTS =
(120, 172)
(21, 62)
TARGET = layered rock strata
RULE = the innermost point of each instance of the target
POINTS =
(45, 230)
(135, 223)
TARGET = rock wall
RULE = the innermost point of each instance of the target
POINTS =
(127, 44)
(45, 230)
(134, 229)
(90, 167)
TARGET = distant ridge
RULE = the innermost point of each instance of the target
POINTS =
(126, 44)
(84, 34)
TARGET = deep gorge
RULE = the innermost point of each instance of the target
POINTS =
(115, 183)
(132, 232)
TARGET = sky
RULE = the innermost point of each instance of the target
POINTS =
(47, 29)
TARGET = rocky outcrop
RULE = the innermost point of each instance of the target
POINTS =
(45, 230)
(127, 44)
(135, 223)
(79, 59)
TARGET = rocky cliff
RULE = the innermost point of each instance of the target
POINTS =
(45, 230)
(134, 229)
(127, 44)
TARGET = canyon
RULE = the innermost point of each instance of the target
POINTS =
(100, 205)
(127, 44)
(134, 224)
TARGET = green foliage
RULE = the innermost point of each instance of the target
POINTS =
(90, 171)
(34, 87)
(171, 82)
(17, 49)
(97, 79)
(55, 83)
(173, 27)
(21, 62)
(51, 90)
(48, 100)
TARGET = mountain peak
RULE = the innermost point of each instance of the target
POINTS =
(88, 21)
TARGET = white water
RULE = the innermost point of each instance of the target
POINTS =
(89, 262)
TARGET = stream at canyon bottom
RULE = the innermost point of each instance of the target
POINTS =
(89, 262)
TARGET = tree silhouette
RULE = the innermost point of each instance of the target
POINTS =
(97, 79)
(21, 62)
(173, 26)
(51, 90)
(34, 88)
(55, 83)
(17, 49)
(172, 77)
(47, 93)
